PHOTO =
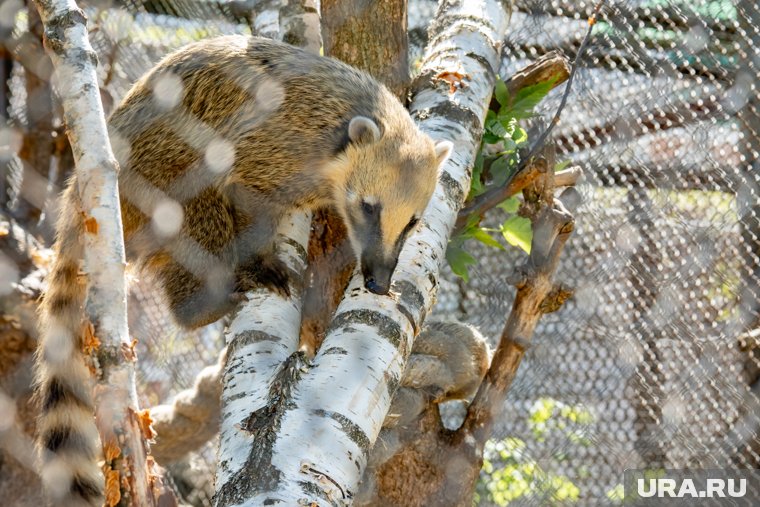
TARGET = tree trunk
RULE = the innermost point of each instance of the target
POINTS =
(371, 36)
(322, 444)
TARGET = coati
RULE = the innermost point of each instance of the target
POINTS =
(215, 144)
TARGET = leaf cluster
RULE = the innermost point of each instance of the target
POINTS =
(497, 160)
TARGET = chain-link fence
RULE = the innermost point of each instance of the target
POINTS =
(655, 361)
(657, 344)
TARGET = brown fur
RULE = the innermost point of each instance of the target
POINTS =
(236, 132)
(448, 362)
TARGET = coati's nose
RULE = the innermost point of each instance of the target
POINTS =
(375, 287)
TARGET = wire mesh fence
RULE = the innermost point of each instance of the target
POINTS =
(655, 361)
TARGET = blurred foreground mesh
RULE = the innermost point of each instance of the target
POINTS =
(655, 362)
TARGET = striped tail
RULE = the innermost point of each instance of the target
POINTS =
(67, 436)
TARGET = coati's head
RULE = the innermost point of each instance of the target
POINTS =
(392, 176)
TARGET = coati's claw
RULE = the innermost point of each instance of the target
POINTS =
(271, 273)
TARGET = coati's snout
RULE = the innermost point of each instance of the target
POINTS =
(377, 273)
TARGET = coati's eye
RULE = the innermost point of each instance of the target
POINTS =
(369, 209)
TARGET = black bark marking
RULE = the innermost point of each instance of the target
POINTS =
(453, 113)
(312, 490)
(386, 327)
(249, 337)
(258, 474)
(350, 428)
(410, 296)
(482, 60)
(452, 190)
(55, 36)
(336, 351)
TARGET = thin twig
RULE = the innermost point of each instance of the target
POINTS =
(492, 197)
(555, 120)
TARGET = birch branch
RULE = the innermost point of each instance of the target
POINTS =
(116, 401)
(263, 336)
(329, 415)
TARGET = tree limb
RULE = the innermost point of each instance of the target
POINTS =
(118, 417)
(263, 338)
(542, 70)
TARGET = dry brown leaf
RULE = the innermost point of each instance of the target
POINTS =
(454, 78)
(128, 351)
(91, 225)
(113, 492)
(90, 342)
(144, 421)
(111, 451)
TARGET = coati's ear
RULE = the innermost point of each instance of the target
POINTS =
(442, 151)
(363, 130)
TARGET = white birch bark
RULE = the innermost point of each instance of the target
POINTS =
(326, 420)
(263, 336)
(104, 262)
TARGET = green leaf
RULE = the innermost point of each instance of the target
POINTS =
(528, 98)
(509, 145)
(519, 136)
(499, 171)
(511, 205)
(476, 183)
(501, 92)
(509, 123)
(490, 138)
(496, 128)
(459, 260)
(518, 232)
(485, 238)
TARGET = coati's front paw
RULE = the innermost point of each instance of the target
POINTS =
(271, 273)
